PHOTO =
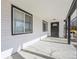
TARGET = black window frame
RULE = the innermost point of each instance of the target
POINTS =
(13, 6)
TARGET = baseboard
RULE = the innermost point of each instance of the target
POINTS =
(6, 53)
(43, 37)
(25, 45)
(9, 52)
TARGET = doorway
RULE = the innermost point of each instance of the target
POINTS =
(55, 29)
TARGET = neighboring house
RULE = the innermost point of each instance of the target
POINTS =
(73, 26)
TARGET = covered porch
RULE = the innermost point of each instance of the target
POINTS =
(48, 48)
(38, 29)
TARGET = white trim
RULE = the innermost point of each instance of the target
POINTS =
(43, 37)
(6, 53)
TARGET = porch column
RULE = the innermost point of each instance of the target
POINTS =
(69, 30)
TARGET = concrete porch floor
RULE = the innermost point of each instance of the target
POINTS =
(47, 49)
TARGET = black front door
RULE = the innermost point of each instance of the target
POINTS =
(55, 29)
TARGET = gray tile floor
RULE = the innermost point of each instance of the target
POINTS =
(47, 49)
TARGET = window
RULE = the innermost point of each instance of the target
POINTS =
(22, 21)
(45, 26)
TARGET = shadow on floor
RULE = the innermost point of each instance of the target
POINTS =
(17, 56)
(38, 54)
(75, 45)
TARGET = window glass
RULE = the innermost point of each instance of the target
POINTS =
(18, 21)
(21, 21)
(28, 23)
(45, 26)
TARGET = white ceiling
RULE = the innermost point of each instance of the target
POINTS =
(50, 9)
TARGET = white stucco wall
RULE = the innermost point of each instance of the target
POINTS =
(41, 10)
(12, 43)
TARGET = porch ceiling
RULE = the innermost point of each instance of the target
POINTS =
(45, 8)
